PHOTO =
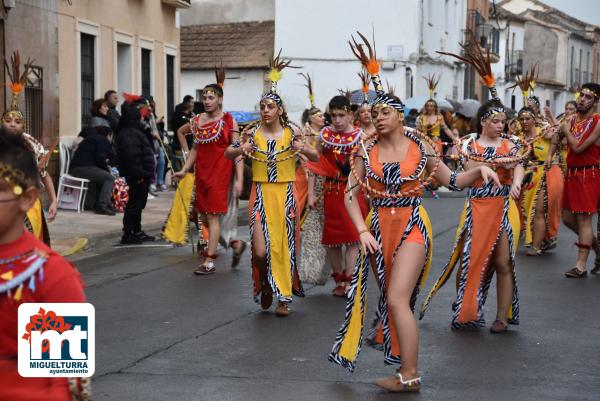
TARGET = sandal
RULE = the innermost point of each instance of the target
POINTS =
(549, 244)
(266, 295)
(533, 251)
(576, 273)
(596, 268)
(397, 384)
(207, 267)
(237, 254)
(282, 310)
(498, 327)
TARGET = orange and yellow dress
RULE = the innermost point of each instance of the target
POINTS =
(393, 222)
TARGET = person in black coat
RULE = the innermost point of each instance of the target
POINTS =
(136, 164)
(90, 161)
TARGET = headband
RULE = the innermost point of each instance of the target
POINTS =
(491, 112)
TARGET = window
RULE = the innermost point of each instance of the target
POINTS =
(88, 76)
(34, 102)
(409, 82)
(587, 68)
(170, 83)
(572, 65)
(580, 72)
(124, 79)
(146, 72)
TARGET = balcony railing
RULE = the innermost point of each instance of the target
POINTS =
(178, 3)
(514, 66)
(487, 36)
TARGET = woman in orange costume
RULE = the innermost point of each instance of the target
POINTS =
(488, 232)
(397, 233)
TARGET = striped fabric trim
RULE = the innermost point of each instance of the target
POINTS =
(362, 270)
(397, 180)
(272, 158)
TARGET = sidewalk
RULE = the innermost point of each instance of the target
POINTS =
(72, 232)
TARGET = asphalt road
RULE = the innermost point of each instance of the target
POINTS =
(164, 334)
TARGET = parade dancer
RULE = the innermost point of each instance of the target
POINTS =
(30, 272)
(273, 145)
(213, 132)
(13, 123)
(581, 196)
(335, 144)
(312, 267)
(489, 227)
(397, 234)
(431, 121)
(363, 114)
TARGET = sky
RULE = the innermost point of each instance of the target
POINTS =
(585, 10)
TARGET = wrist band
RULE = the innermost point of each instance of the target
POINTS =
(366, 230)
(452, 184)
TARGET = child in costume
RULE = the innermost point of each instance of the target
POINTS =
(216, 188)
(29, 272)
(13, 123)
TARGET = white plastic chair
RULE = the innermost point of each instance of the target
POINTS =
(66, 180)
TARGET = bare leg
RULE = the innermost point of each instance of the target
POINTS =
(259, 250)
(214, 232)
(539, 222)
(408, 264)
(585, 237)
(335, 257)
(350, 259)
(569, 220)
(504, 277)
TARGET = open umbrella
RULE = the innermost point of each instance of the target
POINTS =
(418, 102)
(468, 108)
(358, 96)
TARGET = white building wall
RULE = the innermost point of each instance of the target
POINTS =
(315, 36)
(243, 88)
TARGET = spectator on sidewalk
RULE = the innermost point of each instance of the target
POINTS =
(84, 133)
(182, 115)
(90, 161)
(99, 112)
(157, 126)
(136, 164)
(112, 99)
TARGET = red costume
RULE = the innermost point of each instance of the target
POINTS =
(582, 181)
(31, 272)
(338, 228)
(213, 170)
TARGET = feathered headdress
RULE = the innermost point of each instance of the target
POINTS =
(371, 64)
(220, 74)
(475, 57)
(308, 84)
(277, 65)
(432, 83)
(364, 80)
(217, 88)
(526, 83)
(17, 81)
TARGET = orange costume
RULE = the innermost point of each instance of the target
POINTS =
(488, 213)
(393, 221)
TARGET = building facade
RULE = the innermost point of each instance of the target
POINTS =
(125, 45)
(315, 36)
(564, 50)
